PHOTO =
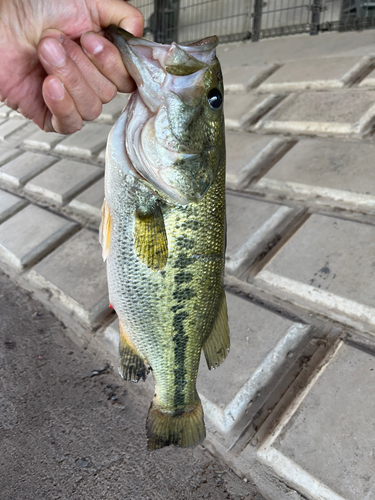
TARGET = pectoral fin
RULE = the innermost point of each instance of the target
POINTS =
(150, 238)
(217, 345)
(132, 365)
(105, 230)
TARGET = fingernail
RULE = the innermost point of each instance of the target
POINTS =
(92, 43)
(56, 89)
(53, 52)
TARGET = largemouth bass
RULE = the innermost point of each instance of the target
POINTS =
(163, 227)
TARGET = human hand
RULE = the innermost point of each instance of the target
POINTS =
(56, 68)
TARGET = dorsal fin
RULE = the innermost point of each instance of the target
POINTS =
(217, 345)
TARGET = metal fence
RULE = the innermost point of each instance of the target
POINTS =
(231, 20)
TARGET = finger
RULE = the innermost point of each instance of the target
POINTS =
(57, 62)
(108, 60)
(102, 86)
(63, 116)
(121, 14)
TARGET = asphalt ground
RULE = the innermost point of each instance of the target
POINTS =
(71, 428)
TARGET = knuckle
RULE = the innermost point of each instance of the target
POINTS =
(92, 112)
(109, 93)
(66, 127)
(126, 86)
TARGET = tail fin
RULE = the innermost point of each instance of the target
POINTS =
(184, 429)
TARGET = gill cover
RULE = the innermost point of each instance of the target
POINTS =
(174, 134)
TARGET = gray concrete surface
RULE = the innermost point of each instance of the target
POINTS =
(71, 429)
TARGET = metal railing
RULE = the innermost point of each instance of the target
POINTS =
(187, 20)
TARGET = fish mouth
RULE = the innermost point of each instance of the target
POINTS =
(113, 33)
(149, 63)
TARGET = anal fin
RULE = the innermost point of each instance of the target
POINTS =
(217, 345)
(132, 365)
(150, 238)
(105, 230)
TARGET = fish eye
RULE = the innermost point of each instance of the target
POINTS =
(214, 98)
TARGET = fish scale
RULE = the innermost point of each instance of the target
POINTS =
(165, 259)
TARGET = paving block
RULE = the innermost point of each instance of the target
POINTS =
(333, 72)
(260, 342)
(325, 449)
(8, 154)
(90, 201)
(248, 154)
(243, 110)
(253, 228)
(101, 156)
(30, 234)
(85, 143)
(241, 79)
(16, 138)
(349, 112)
(5, 111)
(64, 180)
(16, 114)
(43, 140)
(9, 127)
(112, 110)
(111, 337)
(23, 168)
(9, 204)
(368, 82)
(326, 172)
(76, 277)
(327, 266)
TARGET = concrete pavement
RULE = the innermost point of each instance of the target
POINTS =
(292, 407)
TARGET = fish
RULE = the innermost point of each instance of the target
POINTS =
(163, 229)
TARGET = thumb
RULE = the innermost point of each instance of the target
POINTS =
(122, 14)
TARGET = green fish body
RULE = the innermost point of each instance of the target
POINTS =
(163, 228)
